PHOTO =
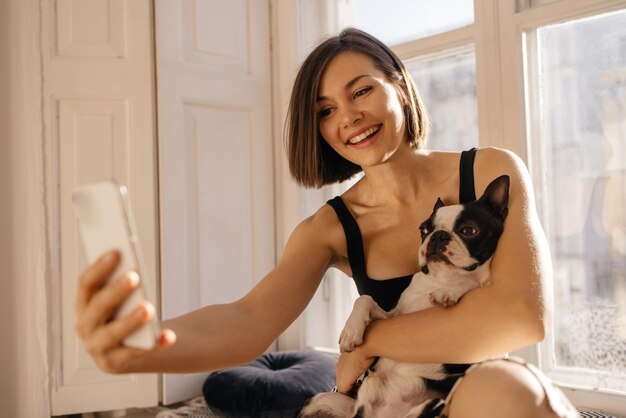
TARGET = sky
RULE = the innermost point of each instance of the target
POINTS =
(396, 21)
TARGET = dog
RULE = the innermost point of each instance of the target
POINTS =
(458, 242)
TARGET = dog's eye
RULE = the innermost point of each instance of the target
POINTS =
(468, 231)
(425, 230)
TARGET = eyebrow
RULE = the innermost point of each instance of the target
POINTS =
(348, 85)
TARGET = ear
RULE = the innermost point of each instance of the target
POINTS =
(438, 204)
(496, 196)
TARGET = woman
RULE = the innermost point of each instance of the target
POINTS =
(354, 107)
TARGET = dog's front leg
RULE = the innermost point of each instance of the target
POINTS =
(450, 294)
(364, 311)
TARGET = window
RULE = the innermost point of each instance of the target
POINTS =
(581, 120)
(448, 87)
(399, 21)
(547, 80)
(446, 78)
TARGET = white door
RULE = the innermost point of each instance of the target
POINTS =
(215, 157)
(98, 79)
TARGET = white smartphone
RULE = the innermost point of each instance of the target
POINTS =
(106, 223)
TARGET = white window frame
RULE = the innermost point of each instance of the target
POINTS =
(501, 34)
(522, 27)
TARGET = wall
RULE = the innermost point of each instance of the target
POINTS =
(23, 358)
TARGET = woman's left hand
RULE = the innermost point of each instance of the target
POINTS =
(350, 367)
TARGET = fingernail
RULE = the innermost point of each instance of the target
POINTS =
(168, 337)
(132, 279)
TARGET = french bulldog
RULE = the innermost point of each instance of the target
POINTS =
(458, 242)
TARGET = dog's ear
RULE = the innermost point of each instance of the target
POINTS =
(496, 196)
(438, 204)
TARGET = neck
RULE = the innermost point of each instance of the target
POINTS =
(399, 179)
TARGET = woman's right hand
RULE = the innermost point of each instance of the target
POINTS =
(96, 303)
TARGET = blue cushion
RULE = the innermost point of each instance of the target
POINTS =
(276, 385)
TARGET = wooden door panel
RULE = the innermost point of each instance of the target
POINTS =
(215, 147)
(99, 110)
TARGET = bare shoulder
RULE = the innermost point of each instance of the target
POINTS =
(324, 220)
(492, 162)
(322, 229)
(498, 158)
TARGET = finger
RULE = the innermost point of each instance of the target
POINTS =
(120, 360)
(167, 338)
(111, 335)
(105, 302)
(344, 388)
(94, 277)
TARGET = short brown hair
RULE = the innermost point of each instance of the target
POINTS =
(312, 162)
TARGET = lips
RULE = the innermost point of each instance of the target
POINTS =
(363, 135)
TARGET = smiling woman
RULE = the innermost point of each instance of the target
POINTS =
(363, 68)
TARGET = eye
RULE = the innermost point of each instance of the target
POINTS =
(325, 112)
(468, 231)
(362, 91)
(425, 230)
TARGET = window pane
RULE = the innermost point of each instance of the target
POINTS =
(583, 140)
(448, 89)
(397, 21)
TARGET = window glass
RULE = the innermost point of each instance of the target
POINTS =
(582, 78)
(448, 89)
(397, 21)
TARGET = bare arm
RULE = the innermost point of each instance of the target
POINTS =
(215, 336)
(510, 313)
(225, 335)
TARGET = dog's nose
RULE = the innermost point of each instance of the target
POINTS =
(438, 242)
(441, 238)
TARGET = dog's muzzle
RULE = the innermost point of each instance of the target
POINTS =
(435, 249)
(437, 243)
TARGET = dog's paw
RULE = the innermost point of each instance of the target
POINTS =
(443, 298)
(351, 337)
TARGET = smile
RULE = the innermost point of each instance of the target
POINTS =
(363, 136)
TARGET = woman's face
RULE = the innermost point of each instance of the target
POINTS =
(360, 113)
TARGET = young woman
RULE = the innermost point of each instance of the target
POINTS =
(355, 108)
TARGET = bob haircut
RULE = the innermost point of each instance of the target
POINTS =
(312, 162)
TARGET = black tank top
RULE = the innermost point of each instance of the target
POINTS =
(387, 292)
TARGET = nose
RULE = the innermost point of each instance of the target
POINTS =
(441, 236)
(350, 116)
(438, 242)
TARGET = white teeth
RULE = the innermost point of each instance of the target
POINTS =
(364, 135)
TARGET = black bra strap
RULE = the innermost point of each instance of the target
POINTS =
(466, 173)
(356, 257)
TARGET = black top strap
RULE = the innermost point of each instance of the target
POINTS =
(354, 240)
(385, 292)
(467, 192)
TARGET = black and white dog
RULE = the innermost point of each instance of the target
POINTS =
(458, 242)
